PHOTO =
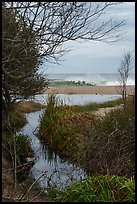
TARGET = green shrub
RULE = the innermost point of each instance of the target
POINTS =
(19, 120)
(23, 146)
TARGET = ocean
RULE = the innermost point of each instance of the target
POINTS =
(87, 79)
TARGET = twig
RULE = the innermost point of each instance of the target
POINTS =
(9, 199)
(23, 196)
(21, 165)
(33, 198)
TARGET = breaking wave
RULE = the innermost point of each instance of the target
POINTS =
(88, 79)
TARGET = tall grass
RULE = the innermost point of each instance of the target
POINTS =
(62, 129)
(97, 189)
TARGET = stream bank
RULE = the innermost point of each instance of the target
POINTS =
(47, 154)
(58, 171)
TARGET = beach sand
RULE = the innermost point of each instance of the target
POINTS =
(89, 90)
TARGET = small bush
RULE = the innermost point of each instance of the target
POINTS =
(112, 145)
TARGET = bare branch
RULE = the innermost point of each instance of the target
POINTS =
(127, 63)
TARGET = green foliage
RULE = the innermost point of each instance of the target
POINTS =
(111, 103)
(20, 61)
(95, 106)
(67, 128)
(17, 120)
(97, 189)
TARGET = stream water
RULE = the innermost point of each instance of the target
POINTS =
(58, 171)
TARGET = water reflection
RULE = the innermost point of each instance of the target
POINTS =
(78, 99)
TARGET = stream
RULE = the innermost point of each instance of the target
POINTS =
(58, 171)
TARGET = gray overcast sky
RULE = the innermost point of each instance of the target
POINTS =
(99, 57)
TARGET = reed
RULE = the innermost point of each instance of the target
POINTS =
(105, 188)
(62, 129)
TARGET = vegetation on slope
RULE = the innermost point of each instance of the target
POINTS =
(97, 189)
(94, 143)
(106, 148)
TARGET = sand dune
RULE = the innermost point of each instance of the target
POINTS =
(89, 90)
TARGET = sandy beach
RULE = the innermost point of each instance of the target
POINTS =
(89, 90)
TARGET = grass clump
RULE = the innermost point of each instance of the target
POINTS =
(97, 189)
(63, 130)
(29, 106)
(52, 129)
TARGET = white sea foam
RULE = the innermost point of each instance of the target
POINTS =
(87, 78)
(93, 79)
(100, 79)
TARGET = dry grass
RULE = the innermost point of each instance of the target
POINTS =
(102, 112)
(29, 106)
(9, 193)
